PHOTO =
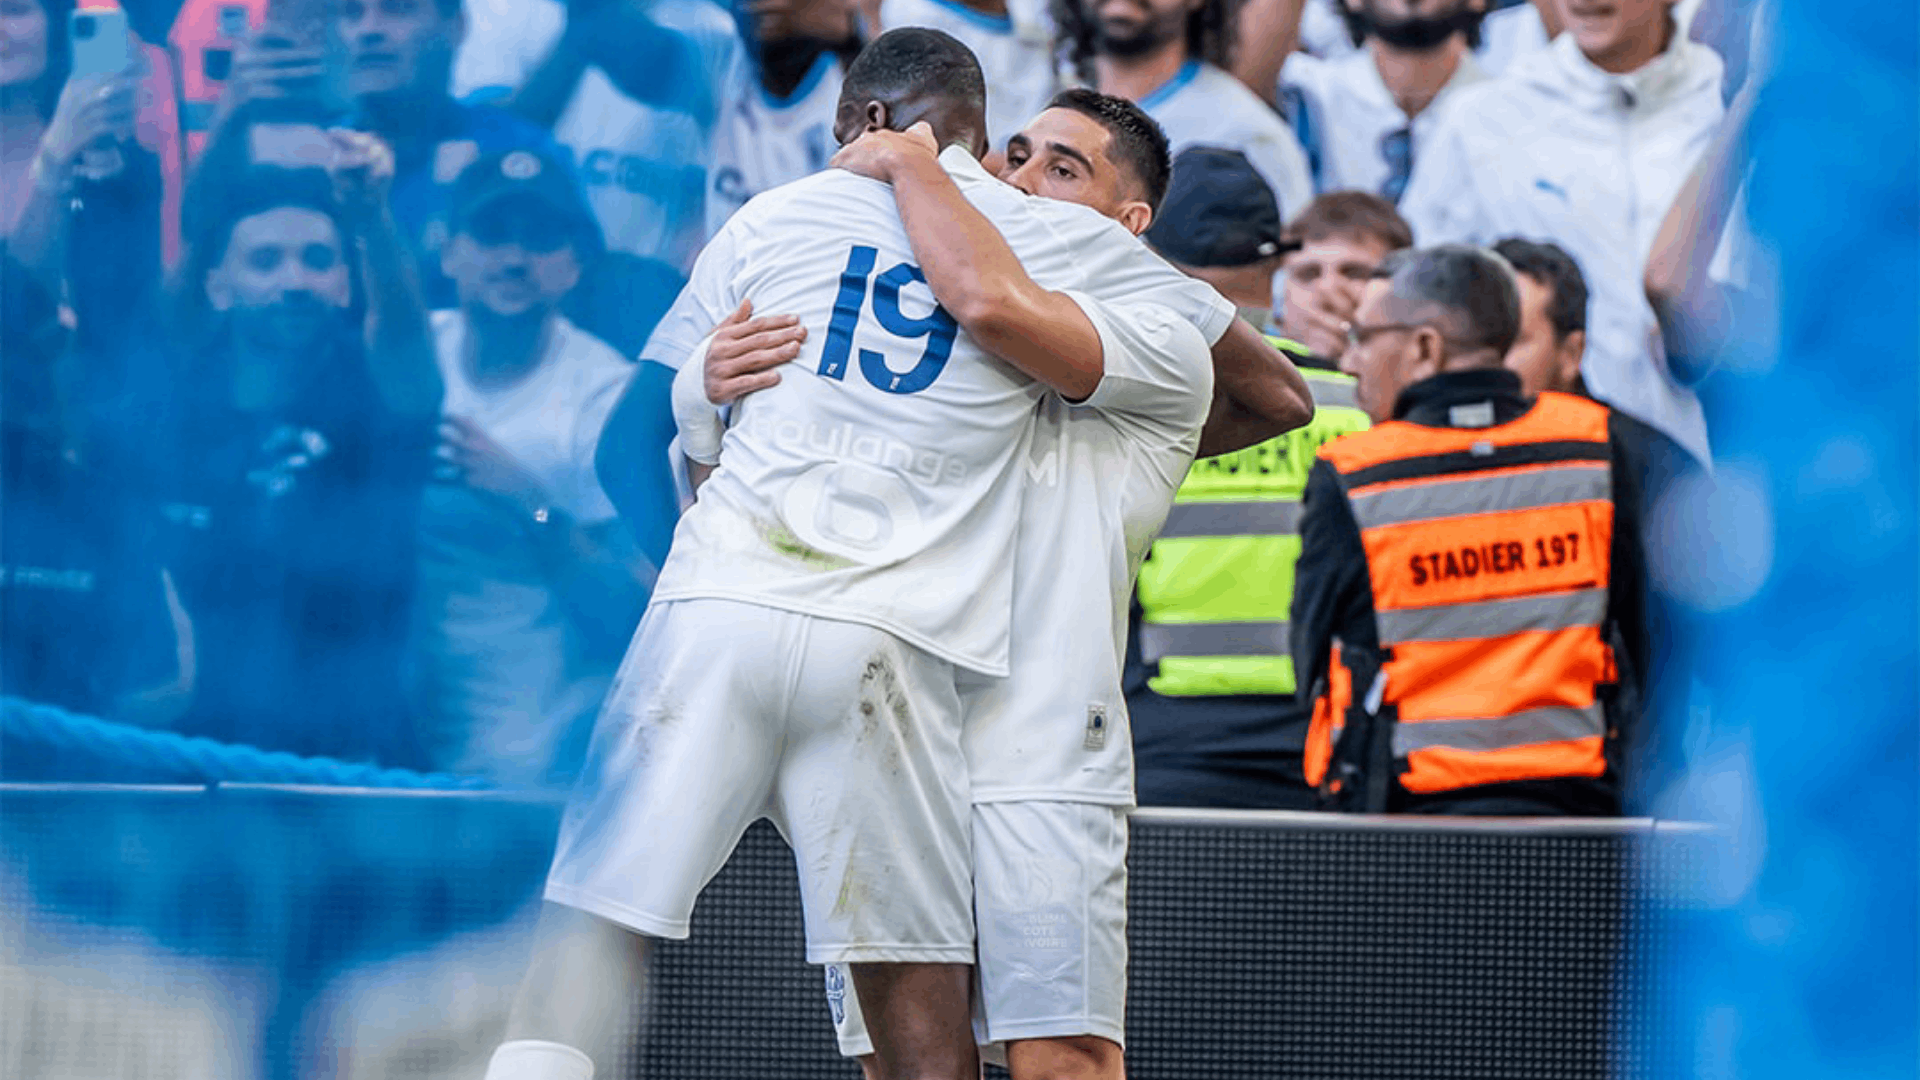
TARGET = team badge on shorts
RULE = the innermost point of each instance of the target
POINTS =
(836, 993)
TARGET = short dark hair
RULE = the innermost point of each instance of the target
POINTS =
(1550, 265)
(1210, 30)
(1468, 290)
(1350, 213)
(1137, 139)
(910, 61)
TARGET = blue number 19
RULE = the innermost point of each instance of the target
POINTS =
(937, 327)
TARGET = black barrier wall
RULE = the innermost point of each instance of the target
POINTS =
(1264, 945)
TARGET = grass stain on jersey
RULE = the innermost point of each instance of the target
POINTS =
(793, 547)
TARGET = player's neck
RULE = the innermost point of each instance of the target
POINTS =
(1135, 77)
(500, 352)
(1416, 76)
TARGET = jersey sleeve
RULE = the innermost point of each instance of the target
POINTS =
(1159, 369)
(709, 297)
(1114, 266)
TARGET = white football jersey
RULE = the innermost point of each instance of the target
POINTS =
(1015, 52)
(879, 481)
(764, 141)
(645, 166)
(1101, 476)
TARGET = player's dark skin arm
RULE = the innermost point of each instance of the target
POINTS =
(1257, 393)
(973, 273)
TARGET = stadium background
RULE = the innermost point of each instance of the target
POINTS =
(161, 933)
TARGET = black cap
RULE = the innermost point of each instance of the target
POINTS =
(522, 174)
(1218, 211)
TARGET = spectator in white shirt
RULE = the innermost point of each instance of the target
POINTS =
(1585, 143)
(1170, 57)
(1512, 29)
(1364, 117)
(528, 587)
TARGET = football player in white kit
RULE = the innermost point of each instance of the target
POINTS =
(801, 658)
(1048, 747)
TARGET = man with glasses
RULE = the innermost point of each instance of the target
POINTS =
(1469, 627)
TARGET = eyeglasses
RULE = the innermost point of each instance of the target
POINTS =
(1358, 335)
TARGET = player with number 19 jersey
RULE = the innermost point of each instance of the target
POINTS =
(882, 487)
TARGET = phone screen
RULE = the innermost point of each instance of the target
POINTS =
(293, 146)
(101, 44)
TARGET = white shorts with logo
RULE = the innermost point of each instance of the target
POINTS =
(848, 738)
(1050, 900)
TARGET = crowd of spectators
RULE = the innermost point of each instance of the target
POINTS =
(307, 352)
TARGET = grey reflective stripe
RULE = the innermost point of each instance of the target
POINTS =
(1480, 494)
(1279, 517)
(1494, 618)
(1160, 640)
(1501, 733)
(1331, 393)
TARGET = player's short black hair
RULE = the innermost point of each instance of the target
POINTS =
(1550, 265)
(1468, 290)
(911, 61)
(1137, 139)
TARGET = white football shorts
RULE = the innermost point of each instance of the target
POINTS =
(1050, 895)
(724, 712)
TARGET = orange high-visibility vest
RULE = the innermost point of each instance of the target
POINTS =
(1489, 555)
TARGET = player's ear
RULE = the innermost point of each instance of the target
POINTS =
(1135, 215)
(879, 116)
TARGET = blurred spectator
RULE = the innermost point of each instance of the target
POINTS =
(1209, 680)
(86, 622)
(67, 153)
(1170, 57)
(1363, 118)
(1585, 144)
(1553, 317)
(634, 90)
(1013, 40)
(1512, 29)
(1338, 241)
(399, 57)
(301, 402)
(1701, 276)
(1470, 622)
(776, 121)
(529, 587)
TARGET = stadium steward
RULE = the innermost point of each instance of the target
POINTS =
(529, 586)
(1209, 679)
(1469, 628)
(1585, 143)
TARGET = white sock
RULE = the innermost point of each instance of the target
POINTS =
(533, 1059)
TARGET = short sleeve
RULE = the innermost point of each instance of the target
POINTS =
(1159, 370)
(1114, 266)
(708, 298)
